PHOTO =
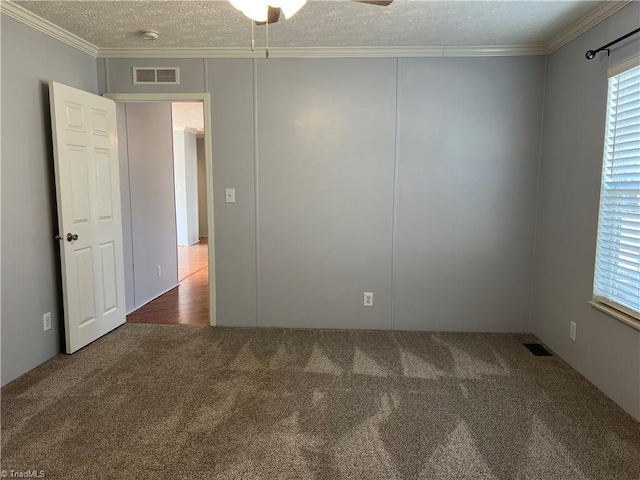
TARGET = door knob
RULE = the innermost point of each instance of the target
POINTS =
(71, 237)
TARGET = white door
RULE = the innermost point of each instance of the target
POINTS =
(89, 216)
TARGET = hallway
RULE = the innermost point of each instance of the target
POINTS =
(188, 303)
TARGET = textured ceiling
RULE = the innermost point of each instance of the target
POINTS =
(187, 115)
(116, 24)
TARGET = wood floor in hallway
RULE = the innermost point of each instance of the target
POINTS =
(192, 259)
(188, 303)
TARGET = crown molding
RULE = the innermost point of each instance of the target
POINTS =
(591, 19)
(495, 51)
(34, 21)
(176, 52)
(274, 52)
(325, 52)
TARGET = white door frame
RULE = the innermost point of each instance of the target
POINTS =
(205, 99)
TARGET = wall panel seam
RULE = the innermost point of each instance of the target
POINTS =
(536, 218)
(256, 186)
(106, 75)
(205, 75)
(394, 200)
(133, 257)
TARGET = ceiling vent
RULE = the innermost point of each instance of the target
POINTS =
(155, 76)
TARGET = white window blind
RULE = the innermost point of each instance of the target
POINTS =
(617, 272)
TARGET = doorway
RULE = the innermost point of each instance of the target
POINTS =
(190, 188)
(190, 299)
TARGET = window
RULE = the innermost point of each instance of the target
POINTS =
(617, 272)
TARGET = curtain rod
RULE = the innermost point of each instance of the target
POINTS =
(592, 53)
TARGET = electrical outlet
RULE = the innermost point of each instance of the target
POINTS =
(46, 321)
(572, 331)
(368, 299)
(159, 270)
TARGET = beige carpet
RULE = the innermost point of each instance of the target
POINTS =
(174, 402)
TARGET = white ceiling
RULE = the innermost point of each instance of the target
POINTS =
(215, 24)
(187, 115)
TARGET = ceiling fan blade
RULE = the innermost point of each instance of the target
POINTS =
(273, 16)
(380, 3)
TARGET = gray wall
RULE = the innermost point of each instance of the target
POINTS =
(412, 178)
(231, 83)
(191, 171)
(185, 175)
(30, 281)
(202, 189)
(125, 202)
(153, 220)
(607, 351)
(326, 158)
(468, 151)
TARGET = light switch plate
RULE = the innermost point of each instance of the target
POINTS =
(230, 195)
